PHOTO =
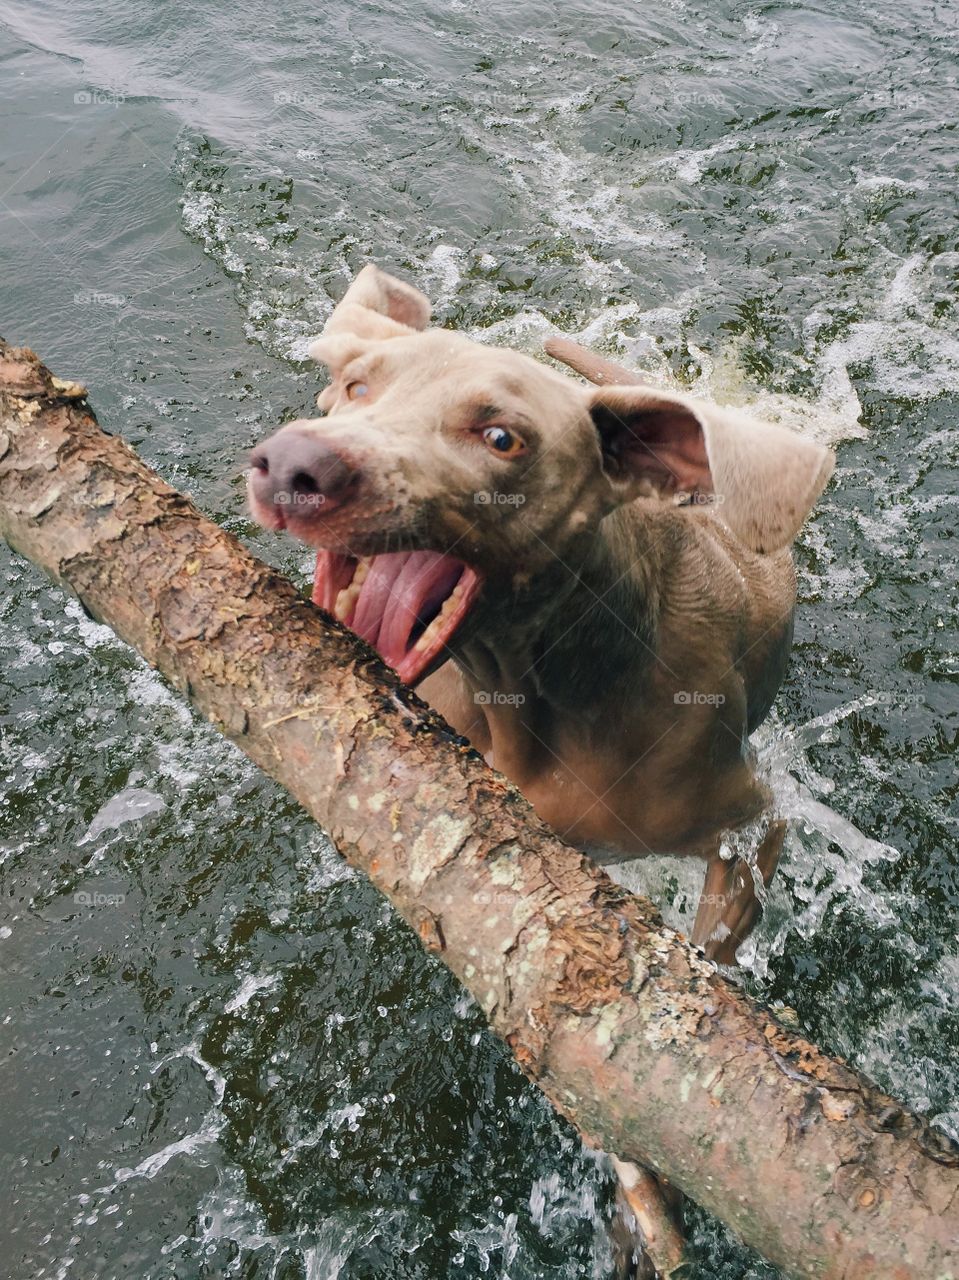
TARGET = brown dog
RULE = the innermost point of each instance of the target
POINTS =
(594, 586)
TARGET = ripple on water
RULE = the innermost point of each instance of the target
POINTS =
(749, 206)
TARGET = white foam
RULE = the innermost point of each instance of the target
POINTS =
(133, 804)
(228, 1213)
(690, 163)
(252, 985)
(636, 338)
(813, 876)
(882, 182)
(193, 1144)
(93, 634)
(499, 1238)
(198, 1144)
(444, 266)
(829, 416)
(897, 345)
(322, 867)
(337, 1239)
(906, 358)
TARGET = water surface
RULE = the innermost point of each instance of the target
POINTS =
(224, 1055)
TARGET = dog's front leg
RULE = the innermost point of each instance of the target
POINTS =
(647, 1234)
(729, 905)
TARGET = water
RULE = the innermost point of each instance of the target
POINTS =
(224, 1055)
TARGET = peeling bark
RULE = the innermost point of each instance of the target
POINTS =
(626, 1029)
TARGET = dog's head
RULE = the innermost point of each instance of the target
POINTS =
(445, 471)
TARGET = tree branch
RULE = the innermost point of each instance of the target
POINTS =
(626, 1029)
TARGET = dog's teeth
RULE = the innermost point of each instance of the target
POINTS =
(425, 640)
(450, 605)
(428, 636)
(346, 599)
(436, 626)
(343, 606)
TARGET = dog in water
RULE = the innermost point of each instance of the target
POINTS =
(592, 584)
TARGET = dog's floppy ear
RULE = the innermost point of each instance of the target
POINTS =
(763, 478)
(389, 297)
(335, 350)
(374, 307)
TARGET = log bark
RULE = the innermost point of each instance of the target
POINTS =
(626, 1029)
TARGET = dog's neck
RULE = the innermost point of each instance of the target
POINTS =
(556, 663)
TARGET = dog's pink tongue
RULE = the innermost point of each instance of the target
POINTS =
(423, 584)
(375, 594)
(402, 593)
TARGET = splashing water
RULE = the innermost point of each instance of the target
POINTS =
(701, 196)
(825, 861)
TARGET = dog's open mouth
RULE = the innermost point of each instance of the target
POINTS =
(406, 604)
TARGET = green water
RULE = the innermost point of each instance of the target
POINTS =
(234, 1061)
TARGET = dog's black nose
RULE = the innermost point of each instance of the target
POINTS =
(299, 474)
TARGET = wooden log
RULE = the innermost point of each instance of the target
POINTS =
(626, 1029)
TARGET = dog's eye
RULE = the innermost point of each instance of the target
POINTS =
(355, 390)
(503, 442)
